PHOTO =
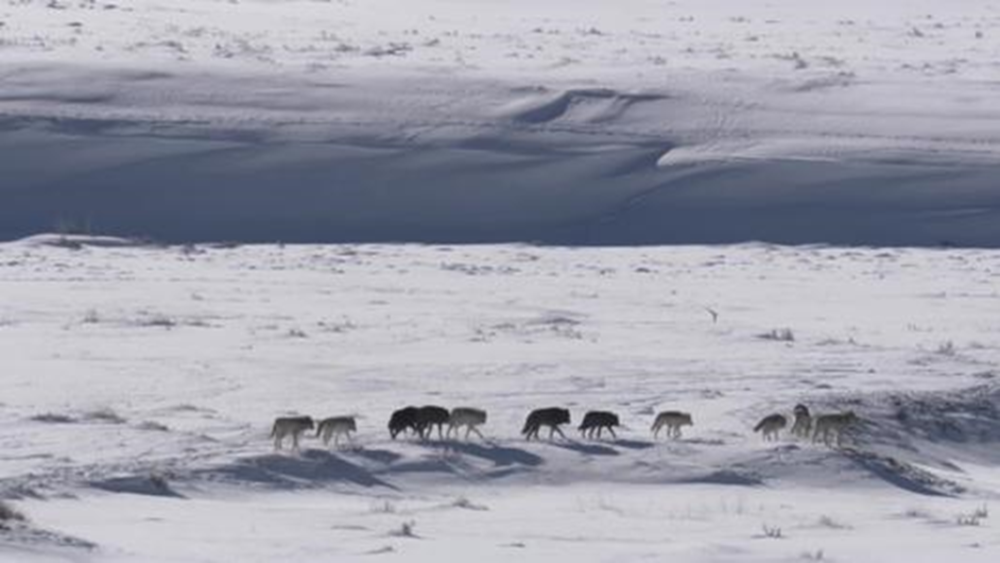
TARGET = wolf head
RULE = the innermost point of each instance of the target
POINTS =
(401, 420)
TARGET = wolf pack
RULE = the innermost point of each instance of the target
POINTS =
(421, 422)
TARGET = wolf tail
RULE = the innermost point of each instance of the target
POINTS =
(528, 425)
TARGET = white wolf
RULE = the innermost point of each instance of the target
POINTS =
(292, 426)
(828, 425)
(673, 420)
(802, 426)
(336, 427)
(470, 418)
(770, 426)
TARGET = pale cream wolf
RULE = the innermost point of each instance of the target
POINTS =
(292, 426)
(470, 418)
(770, 426)
(336, 427)
(828, 425)
(802, 427)
(673, 420)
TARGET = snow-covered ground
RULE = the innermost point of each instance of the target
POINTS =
(139, 384)
(566, 121)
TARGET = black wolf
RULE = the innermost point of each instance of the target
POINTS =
(430, 416)
(403, 420)
(551, 417)
(598, 421)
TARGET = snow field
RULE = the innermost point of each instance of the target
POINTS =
(141, 382)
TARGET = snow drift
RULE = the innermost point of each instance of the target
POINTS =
(502, 121)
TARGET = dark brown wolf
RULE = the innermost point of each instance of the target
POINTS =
(430, 416)
(551, 417)
(597, 421)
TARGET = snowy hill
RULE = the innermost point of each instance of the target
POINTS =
(583, 122)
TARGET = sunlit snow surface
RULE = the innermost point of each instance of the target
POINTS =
(139, 384)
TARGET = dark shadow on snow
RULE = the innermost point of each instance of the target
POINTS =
(194, 186)
(632, 444)
(724, 477)
(378, 456)
(150, 485)
(310, 468)
(501, 456)
(588, 449)
(903, 475)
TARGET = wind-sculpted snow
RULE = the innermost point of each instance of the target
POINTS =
(561, 123)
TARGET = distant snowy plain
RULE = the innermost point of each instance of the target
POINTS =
(559, 121)
(140, 384)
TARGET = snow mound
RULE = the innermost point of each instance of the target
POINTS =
(18, 533)
(411, 466)
(904, 475)
(311, 468)
(585, 106)
(153, 485)
(935, 428)
(77, 241)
